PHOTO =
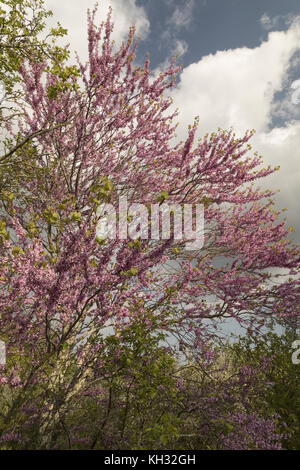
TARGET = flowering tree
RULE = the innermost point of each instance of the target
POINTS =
(21, 25)
(23, 35)
(110, 135)
(283, 396)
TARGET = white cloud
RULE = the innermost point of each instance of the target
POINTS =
(281, 146)
(183, 15)
(236, 88)
(72, 14)
(180, 48)
(269, 23)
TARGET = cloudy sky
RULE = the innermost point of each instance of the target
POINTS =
(241, 65)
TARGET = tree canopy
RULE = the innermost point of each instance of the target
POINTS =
(92, 325)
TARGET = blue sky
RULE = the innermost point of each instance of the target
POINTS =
(240, 60)
(208, 26)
